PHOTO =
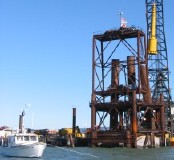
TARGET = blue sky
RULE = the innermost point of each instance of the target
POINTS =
(46, 56)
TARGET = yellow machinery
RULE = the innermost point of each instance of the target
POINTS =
(152, 43)
(69, 131)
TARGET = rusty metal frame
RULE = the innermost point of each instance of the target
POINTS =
(119, 102)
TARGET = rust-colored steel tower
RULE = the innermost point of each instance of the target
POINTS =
(122, 109)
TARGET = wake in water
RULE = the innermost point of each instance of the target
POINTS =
(80, 153)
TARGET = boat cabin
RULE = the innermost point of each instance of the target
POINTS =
(19, 139)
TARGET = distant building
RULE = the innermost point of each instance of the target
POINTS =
(53, 131)
(5, 131)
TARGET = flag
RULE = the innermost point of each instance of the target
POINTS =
(123, 22)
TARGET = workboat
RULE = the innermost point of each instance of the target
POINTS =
(22, 143)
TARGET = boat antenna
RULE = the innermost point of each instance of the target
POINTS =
(120, 14)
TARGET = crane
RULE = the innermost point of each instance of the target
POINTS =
(158, 69)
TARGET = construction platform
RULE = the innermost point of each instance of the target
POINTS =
(122, 109)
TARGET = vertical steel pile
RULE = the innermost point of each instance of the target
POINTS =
(74, 123)
(122, 110)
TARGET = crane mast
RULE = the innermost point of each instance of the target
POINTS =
(158, 69)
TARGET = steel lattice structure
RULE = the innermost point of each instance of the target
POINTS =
(130, 96)
(158, 64)
(121, 105)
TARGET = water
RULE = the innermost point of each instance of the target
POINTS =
(86, 153)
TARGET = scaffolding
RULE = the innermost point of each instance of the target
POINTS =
(122, 109)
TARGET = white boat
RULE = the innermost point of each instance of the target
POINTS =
(23, 145)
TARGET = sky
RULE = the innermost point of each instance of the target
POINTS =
(46, 56)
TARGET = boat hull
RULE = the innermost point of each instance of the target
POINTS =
(32, 150)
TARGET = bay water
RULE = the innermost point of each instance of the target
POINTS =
(87, 153)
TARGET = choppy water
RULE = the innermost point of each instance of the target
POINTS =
(86, 153)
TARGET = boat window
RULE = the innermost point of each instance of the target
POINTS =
(33, 138)
(19, 138)
(26, 138)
